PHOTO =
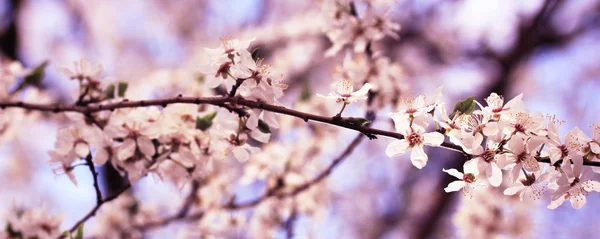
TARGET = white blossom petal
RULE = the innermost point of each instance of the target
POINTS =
(514, 189)
(397, 147)
(494, 174)
(418, 157)
(454, 173)
(454, 186)
(433, 138)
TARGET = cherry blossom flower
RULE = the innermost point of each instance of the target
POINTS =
(530, 186)
(218, 61)
(467, 181)
(344, 92)
(556, 149)
(353, 30)
(496, 107)
(523, 155)
(61, 164)
(488, 160)
(83, 69)
(137, 129)
(572, 186)
(414, 109)
(414, 139)
(76, 138)
(523, 123)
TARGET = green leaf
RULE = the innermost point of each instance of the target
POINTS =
(109, 92)
(255, 54)
(122, 88)
(356, 121)
(79, 233)
(263, 127)
(34, 77)
(465, 106)
(205, 122)
(306, 92)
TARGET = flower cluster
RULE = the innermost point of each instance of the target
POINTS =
(500, 137)
(348, 28)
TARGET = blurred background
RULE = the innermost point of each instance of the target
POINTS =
(547, 49)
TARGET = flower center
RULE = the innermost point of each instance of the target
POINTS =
(414, 138)
(528, 180)
(344, 88)
(469, 178)
(489, 156)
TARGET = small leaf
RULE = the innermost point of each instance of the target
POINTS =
(122, 88)
(306, 92)
(255, 54)
(79, 233)
(205, 122)
(356, 121)
(109, 92)
(465, 106)
(34, 77)
(263, 127)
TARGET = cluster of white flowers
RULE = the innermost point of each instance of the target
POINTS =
(501, 137)
(348, 28)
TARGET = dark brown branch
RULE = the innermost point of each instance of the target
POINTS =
(226, 102)
(92, 168)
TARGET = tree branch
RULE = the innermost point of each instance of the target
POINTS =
(225, 102)
(90, 164)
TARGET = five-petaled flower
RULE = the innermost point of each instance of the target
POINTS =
(467, 181)
(344, 92)
(414, 139)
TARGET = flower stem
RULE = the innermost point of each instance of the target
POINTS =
(339, 115)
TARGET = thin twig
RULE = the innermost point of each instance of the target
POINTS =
(92, 168)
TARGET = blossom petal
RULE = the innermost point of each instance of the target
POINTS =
(494, 174)
(146, 146)
(82, 149)
(578, 202)
(490, 129)
(240, 154)
(126, 149)
(454, 173)
(363, 90)
(472, 165)
(454, 186)
(433, 138)
(514, 189)
(101, 157)
(418, 157)
(397, 147)
(556, 203)
(595, 148)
